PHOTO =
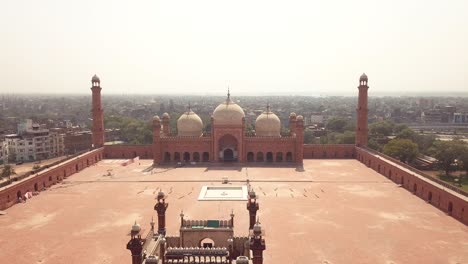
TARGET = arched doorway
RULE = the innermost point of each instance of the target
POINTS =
(18, 195)
(429, 197)
(177, 156)
(207, 243)
(289, 157)
(260, 156)
(279, 156)
(186, 156)
(415, 188)
(450, 208)
(250, 157)
(167, 156)
(269, 157)
(196, 156)
(206, 156)
(36, 187)
(228, 154)
(228, 148)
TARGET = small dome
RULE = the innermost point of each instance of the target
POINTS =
(363, 77)
(160, 195)
(257, 229)
(242, 260)
(292, 114)
(156, 118)
(268, 124)
(136, 227)
(166, 115)
(152, 259)
(189, 124)
(228, 113)
(299, 117)
(95, 79)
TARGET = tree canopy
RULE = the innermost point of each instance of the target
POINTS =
(403, 149)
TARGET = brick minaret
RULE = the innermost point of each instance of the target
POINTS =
(156, 140)
(98, 113)
(253, 207)
(135, 245)
(257, 244)
(161, 207)
(362, 111)
(299, 139)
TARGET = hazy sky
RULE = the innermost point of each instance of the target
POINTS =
(257, 47)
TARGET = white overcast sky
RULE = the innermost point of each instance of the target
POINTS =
(257, 47)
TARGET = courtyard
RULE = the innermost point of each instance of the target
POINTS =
(331, 211)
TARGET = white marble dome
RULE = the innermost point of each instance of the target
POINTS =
(189, 124)
(228, 113)
(268, 125)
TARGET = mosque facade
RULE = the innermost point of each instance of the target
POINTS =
(226, 142)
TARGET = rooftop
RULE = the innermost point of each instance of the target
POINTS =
(335, 211)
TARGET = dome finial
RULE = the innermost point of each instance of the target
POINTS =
(189, 107)
(268, 106)
(229, 94)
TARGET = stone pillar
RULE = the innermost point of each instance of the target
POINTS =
(362, 130)
(135, 245)
(257, 244)
(299, 139)
(253, 207)
(156, 140)
(161, 207)
(98, 113)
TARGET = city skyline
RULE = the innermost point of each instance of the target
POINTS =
(277, 48)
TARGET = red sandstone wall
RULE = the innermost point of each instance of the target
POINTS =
(328, 151)
(44, 179)
(128, 151)
(439, 197)
(279, 148)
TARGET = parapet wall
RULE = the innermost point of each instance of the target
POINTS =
(128, 151)
(42, 180)
(447, 198)
(329, 151)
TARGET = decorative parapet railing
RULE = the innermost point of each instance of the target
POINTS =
(184, 252)
(267, 139)
(330, 145)
(185, 138)
(431, 178)
(207, 224)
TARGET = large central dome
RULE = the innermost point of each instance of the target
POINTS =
(228, 113)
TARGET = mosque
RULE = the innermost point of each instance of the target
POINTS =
(226, 142)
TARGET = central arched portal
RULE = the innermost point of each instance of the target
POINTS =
(228, 148)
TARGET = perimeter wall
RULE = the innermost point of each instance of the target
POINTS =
(442, 195)
(46, 178)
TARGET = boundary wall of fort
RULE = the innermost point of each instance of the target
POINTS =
(329, 151)
(440, 194)
(9, 195)
(128, 151)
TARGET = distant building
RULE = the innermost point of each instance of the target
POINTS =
(32, 142)
(460, 118)
(77, 141)
(316, 118)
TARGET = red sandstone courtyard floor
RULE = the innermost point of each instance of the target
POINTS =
(335, 211)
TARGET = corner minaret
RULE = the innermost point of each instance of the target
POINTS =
(98, 113)
(362, 111)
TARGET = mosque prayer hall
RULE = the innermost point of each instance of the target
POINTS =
(226, 196)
